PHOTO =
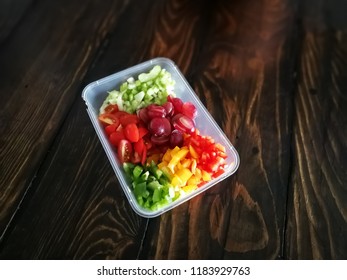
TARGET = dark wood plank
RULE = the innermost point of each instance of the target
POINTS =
(41, 67)
(317, 220)
(11, 13)
(80, 211)
(244, 75)
(75, 209)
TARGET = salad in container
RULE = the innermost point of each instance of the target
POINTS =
(162, 143)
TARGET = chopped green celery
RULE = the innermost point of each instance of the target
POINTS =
(128, 168)
(164, 180)
(171, 192)
(120, 102)
(156, 195)
(140, 200)
(154, 185)
(158, 173)
(155, 170)
(148, 98)
(151, 87)
(138, 97)
(131, 80)
(166, 174)
(158, 205)
(150, 92)
(131, 86)
(140, 189)
(177, 195)
(151, 178)
(137, 171)
(147, 204)
(144, 176)
(124, 87)
(144, 77)
(152, 188)
(167, 199)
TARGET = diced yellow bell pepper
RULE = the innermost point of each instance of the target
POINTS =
(192, 151)
(174, 151)
(198, 173)
(193, 166)
(186, 163)
(193, 181)
(206, 176)
(172, 164)
(176, 181)
(162, 164)
(176, 158)
(184, 174)
(167, 172)
(189, 188)
(167, 156)
(181, 153)
(179, 165)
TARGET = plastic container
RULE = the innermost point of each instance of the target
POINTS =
(95, 93)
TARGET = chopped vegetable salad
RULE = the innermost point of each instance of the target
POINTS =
(156, 140)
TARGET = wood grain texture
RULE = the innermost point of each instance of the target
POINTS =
(95, 222)
(243, 76)
(75, 208)
(317, 223)
(271, 72)
(96, 236)
(39, 82)
(11, 13)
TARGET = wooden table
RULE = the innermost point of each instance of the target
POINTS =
(273, 74)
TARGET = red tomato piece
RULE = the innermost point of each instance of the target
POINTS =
(120, 114)
(131, 132)
(111, 109)
(111, 128)
(116, 137)
(128, 119)
(136, 158)
(144, 156)
(107, 119)
(139, 146)
(148, 144)
(125, 151)
(142, 132)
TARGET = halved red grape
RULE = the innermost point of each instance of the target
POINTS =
(169, 108)
(177, 103)
(160, 140)
(156, 111)
(143, 115)
(183, 123)
(176, 139)
(160, 127)
(189, 110)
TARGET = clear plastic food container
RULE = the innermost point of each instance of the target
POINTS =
(95, 93)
